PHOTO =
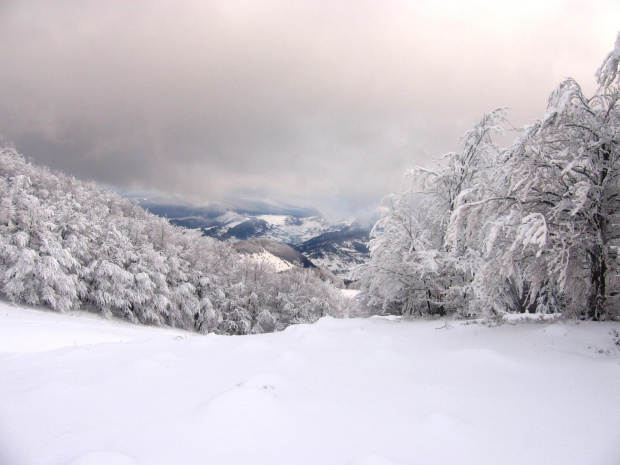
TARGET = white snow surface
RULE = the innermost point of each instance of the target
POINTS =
(277, 263)
(278, 220)
(351, 293)
(79, 390)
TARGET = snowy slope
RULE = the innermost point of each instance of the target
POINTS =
(277, 263)
(76, 390)
(293, 230)
(339, 251)
(283, 253)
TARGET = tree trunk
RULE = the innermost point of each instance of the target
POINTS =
(598, 259)
(598, 277)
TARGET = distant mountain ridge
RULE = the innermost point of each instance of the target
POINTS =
(339, 251)
(250, 228)
(177, 208)
(337, 247)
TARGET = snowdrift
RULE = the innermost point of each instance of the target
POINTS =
(78, 390)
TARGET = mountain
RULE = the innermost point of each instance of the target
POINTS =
(287, 229)
(253, 227)
(339, 251)
(338, 247)
(283, 257)
(283, 252)
(335, 247)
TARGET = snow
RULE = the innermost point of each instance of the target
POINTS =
(231, 219)
(349, 292)
(277, 263)
(290, 230)
(277, 220)
(78, 390)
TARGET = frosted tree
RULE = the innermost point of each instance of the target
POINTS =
(415, 266)
(550, 220)
(150, 298)
(403, 269)
(216, 263)
(266, 322)
(295, 300)
(109, 282)
(36, 267)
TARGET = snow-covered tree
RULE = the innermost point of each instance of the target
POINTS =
(36, 267)
(530, 228)
(415, 267)
(550, 219)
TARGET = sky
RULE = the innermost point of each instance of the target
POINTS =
(313, 103)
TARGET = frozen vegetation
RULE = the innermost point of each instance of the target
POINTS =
(66, 244)
(529, 228)
(80, 390)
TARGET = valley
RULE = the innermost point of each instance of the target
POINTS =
(337, 247)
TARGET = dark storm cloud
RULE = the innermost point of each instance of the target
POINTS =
(318, 103)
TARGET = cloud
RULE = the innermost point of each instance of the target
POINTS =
(320, 103)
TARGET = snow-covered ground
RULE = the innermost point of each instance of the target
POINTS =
(77, 390)
(277, 263)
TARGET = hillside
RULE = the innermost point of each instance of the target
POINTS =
(283, 257)
(340, 251)
(285, 253)
(67, 245)
(79, 390)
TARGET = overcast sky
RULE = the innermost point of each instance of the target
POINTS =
(310, 102)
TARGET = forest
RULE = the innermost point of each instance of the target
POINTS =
(66, 244)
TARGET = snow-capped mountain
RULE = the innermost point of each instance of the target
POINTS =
(339, 251)
(232, 223)
(337, 247)
(287, 229)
